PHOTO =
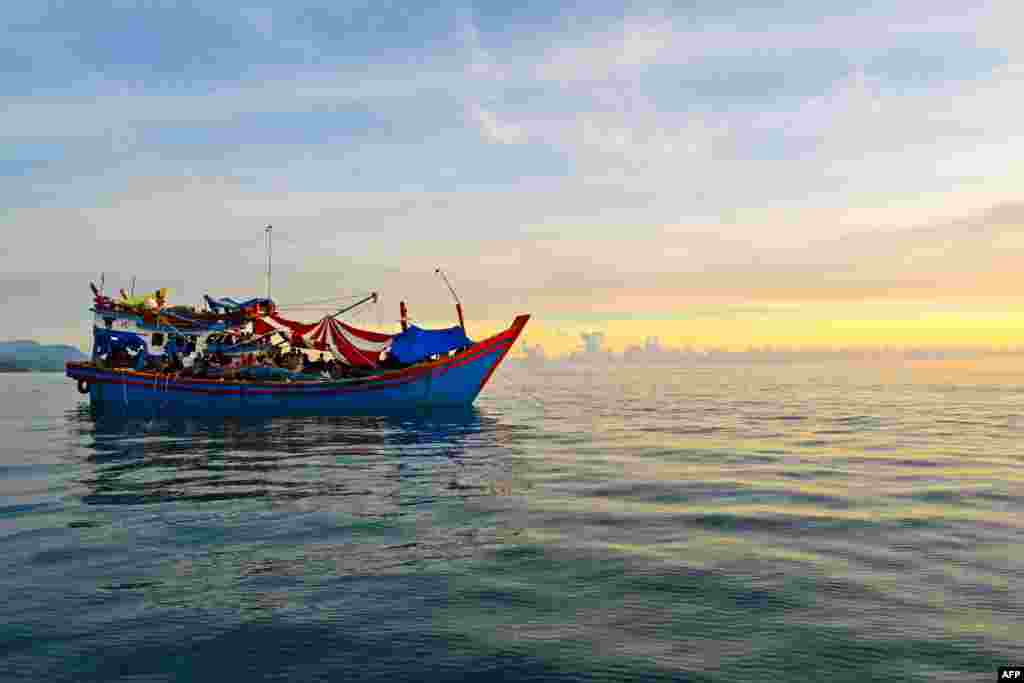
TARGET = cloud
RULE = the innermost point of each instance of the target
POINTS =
(566, 162)
(644, 123)
(626, 108)
(639, 43)
(495, 130)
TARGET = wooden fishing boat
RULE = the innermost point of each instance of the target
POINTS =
(369, 372)
(452, 380)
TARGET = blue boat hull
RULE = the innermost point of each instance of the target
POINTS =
(451, 382)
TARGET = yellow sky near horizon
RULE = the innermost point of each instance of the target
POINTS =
(812, 326)
(851, 326)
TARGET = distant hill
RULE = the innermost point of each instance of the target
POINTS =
(25, 354)
(8, 366)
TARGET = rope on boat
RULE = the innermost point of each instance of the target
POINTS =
(315, 302)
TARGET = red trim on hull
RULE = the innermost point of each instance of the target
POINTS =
(517, 327)
(503, 342)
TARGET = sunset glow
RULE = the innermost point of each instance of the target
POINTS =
(717, 177)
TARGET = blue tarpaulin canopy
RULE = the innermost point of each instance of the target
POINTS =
(229, 304)
(416, 344)
(105, 341)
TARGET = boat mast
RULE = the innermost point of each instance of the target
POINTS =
(458, 304)
(268, 230)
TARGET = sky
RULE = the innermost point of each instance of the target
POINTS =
(716, 174)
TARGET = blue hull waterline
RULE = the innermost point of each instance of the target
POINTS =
(454, 381)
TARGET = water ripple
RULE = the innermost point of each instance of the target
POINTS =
(716, 522)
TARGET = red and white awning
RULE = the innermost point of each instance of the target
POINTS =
(347, 344)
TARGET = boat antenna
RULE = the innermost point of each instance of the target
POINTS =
(458, 304)
(268, 230)
(132, 290)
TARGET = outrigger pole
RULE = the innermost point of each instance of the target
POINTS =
(371, 297)
(458, 304)
(268, 230)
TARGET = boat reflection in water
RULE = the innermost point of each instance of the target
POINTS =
(366, 493)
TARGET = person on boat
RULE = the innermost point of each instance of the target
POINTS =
(187, 361)
(125, 359)
(172, 363)
(171, 350)
(318, 365)
(386, 360)
(335, 369)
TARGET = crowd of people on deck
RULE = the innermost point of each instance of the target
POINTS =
(296, 362)
(181, 357)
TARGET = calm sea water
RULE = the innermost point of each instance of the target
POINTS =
(839, 522)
